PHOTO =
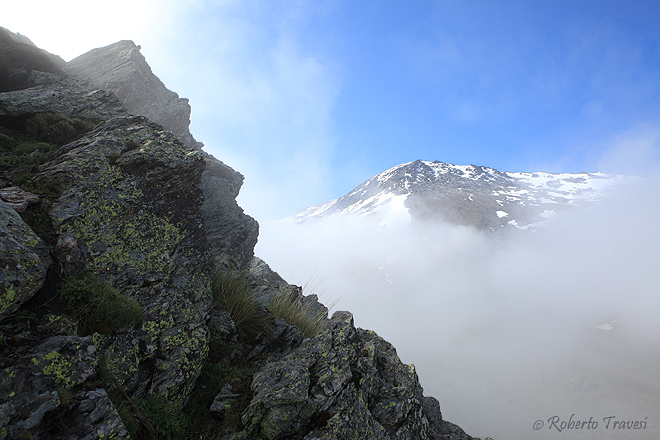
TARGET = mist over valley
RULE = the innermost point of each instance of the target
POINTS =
(504, 330)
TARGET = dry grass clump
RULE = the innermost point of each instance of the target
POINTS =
(232, 292)
(287, 305)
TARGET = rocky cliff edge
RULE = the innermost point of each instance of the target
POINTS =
(121, 206)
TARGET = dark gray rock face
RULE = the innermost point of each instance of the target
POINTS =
(133, 198)
(344, 383)
(19, 58)
(24, 260)
(231, 233)
(120, 68)
(263, 274)
(22, 39)
(128, 211)
(60, 94)
(36, 385)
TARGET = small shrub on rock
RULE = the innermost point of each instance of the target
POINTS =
(165, 416)
(97, 306)
(57, 128)
(30, 147)
(6, 142)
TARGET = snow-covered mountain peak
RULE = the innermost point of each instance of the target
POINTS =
(465, 194)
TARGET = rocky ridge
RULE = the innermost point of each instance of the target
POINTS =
(121, 69)
(153, 219)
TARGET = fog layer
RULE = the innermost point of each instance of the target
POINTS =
(505, 332)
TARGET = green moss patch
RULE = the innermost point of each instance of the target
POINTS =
(57, 128)
(26, 143)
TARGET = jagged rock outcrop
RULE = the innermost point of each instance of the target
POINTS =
(329, 388)
(58, 94)
(57, 60)
(130, 197)
(152, 218)
(231, 233)
(344, 383)
(120, 68)
(38, 382)
(134, 199)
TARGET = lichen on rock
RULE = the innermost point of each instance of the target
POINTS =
(24, 260)
(343, 383)
(134, 201)
(34, 384)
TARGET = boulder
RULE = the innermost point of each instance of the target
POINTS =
(223, 401)
(60, 94)
(18, 198)
(131, 203)
(263, 275)
(24, 260)
(37, 393)
(71, 254)
(221, 324)
(343, 383)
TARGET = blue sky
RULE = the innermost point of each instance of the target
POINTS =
(310, 98)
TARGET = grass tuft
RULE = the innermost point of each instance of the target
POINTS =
(57, 128)
(232, 292)
(127, 416)
(165, 416)
(287, 305)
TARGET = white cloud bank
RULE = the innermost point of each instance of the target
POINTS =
(504, 334)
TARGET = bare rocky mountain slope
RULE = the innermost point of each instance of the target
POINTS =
(117, 235)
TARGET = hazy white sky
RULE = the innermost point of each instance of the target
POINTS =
(310, 98)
